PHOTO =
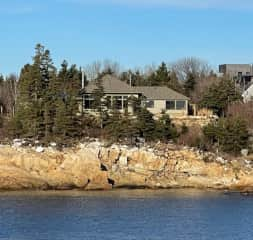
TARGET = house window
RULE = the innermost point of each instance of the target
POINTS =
(148, 104)
(117, 102)
(180, 105)
(170, 105)
(108, 102)
(88, 102)
(125, 102)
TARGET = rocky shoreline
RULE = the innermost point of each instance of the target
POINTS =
(92, 166)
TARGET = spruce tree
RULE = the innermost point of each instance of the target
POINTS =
(219, 95)
(34, 108)
(66, 88)
(146, 124)
(231, 134)
(189, 84)
(165, 130)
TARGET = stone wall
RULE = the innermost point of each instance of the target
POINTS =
(192, 120)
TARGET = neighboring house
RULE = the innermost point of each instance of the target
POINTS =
(158, 99)
(242, 74)
(248, 94)
(117, 94)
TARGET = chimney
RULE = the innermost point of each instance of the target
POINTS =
(83, 78)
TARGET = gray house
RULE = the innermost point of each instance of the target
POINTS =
(158, 99)
(117, 94)
(242, 74)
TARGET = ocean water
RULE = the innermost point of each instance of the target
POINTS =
(126, 215)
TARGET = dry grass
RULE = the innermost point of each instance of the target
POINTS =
(242, 110)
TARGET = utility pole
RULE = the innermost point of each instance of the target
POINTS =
(83, 77)
(130, 79)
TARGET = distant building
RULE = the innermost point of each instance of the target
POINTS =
(117, 94)
(248, 94)
(242, 74)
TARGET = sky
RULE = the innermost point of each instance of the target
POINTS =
(134, 33)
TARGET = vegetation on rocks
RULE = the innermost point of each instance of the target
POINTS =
(230, 134)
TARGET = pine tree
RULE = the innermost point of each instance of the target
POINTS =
(163, 77)
(189, 84)
(34, 108)
(146, 124)
(165, 130)
(173, 82)
(66, 88)
(25, 116)
(230, 134)
(219, 96)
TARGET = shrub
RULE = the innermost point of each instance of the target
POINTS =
(146, 125)
(191, 136)
(242, 110)
(165, 130)
(230, 134)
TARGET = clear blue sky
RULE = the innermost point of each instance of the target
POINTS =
(133, 32)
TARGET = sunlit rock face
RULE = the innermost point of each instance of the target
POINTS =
(90, 166)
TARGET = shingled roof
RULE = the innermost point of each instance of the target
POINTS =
(160, 93)
(113, 85)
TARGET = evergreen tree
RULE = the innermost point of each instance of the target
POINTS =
(26, 112)
(163, 77)
(98, 95)
(219, 96)
(189, 84)
(34, 108)
(165, 130)
(173, 82)
(66, 88)
(230, 134)
(146, 124)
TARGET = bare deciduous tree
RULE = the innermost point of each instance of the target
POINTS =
(242, 110)
(202, 85)
(94, 69)
(8, 94)
(190, 65)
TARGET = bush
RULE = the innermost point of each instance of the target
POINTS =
(165, 130)
(191, 136)
(242, 110)
(146, 125)
(230, 134)
(219, 95)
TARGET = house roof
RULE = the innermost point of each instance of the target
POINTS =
(113, 85)
(161, 93)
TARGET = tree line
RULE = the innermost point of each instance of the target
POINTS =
(42, 103)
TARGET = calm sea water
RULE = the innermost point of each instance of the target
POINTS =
(126, 215)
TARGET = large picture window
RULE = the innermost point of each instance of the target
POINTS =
(148, 103)
(180, 105)
(175, 105)
(125, 102)
(117, 102)
(170, 105)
